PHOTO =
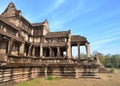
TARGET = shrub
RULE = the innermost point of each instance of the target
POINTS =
(112, 70)
(50, 78)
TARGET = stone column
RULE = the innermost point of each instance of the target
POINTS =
(29, 51)
(41, 50)
(68, 52)
(71, 51)
(58, 52)
(78, 50)
(10, 45)
(69, 45)
(21, 49)
(33, 51)
(88, 50)
(50, 51)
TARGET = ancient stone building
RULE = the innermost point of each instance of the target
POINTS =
(30, 50)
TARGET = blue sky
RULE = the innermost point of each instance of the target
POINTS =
(97, 20)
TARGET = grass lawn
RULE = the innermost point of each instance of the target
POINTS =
(107, 79)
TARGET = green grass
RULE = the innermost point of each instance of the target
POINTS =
(38, 81)
(29, 83)
(107, 79)
(52, 78)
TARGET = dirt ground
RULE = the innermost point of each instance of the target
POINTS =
(107, 79)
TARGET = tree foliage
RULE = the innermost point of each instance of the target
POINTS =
(108, 60)
(111, 61)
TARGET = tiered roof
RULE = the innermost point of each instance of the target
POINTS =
(37, 24)
(57, 34)
(78, 38)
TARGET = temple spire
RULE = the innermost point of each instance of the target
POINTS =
(11, 10)
(11, 4)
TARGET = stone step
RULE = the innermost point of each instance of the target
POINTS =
(94, 77)
(90, 75)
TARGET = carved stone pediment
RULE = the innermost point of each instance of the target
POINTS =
(11, 11)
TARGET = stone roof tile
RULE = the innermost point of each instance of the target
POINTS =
(37, 24)
(78, 38)
(57, 34)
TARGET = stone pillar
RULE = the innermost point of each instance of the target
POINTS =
(78, 50)
(29, 51)
(88, 50)
(45, 71)
(10, 45)
(69, 46)
(33, 51)
(50, 51)
(66, 52)
(58, 52)
(71, 51)
(41, 50)
(21, 49)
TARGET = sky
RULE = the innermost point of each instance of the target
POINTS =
(97, 20)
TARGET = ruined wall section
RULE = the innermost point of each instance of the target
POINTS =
(14, 16)
(27, 31)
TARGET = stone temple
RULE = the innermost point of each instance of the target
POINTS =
(30, 50)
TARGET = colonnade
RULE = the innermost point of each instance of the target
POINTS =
(56, 51)
(87, 46)
(32, 49)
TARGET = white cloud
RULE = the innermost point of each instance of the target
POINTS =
(103, 41)
(107, 33)
(107, 37)
(58, 3)
(2, 6)
(103, 17)
(49, 9)
(72, 14)
(56, 25)
(112, 33)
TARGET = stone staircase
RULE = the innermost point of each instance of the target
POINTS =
(90, 75)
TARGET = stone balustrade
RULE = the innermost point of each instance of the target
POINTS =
(37, 61)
